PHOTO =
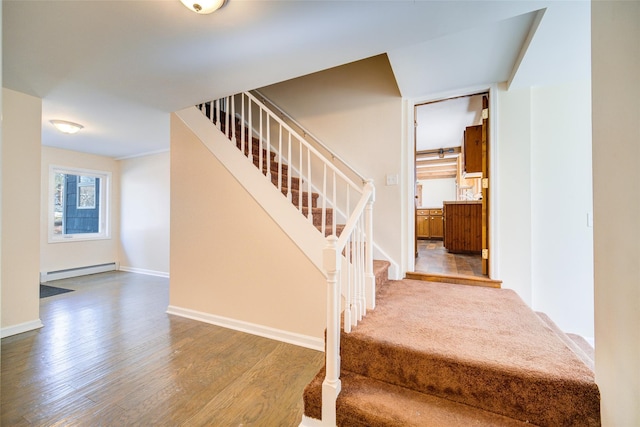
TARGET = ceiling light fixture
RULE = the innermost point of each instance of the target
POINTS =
(66, 127)
(203, 7)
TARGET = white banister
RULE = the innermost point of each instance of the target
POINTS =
(348, 252)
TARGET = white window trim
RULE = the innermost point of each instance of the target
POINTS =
(105, 205)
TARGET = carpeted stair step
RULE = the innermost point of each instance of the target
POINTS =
(295, 197)
(256, 157)
(576, 343)
(295, 181)
(255, 144)
(273, 168)
(329, 230)
(381, 273)
(317, 216)
(365, 402)
(478, 346)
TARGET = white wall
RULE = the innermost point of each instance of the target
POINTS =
(144, 214)
(74, 254)
(561, 199)
(616, 150)
(513, 182)
(436, 191)
(544, 182)
(20, 200)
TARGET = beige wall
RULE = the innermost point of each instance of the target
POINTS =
(20, 211)
(356, 110)
(65, 255)
(144, 214)
(616, 195)
(228, 258)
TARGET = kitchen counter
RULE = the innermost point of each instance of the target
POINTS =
(464, 202)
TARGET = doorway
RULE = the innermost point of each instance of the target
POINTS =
(452, 186)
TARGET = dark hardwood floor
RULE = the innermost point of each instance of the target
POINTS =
(109, 355)
(434, 258)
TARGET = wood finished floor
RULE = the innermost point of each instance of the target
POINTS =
(434, 258)
(109, 355)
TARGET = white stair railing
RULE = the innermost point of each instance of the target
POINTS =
(299, 170)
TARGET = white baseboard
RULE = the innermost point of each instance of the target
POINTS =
(250, 328)
(20, 328)
(144, 271)
(75, 272)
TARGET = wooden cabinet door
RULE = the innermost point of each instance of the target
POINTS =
(436, 224)
(473, 149)
(423, 226)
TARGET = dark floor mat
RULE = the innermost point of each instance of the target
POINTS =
(49, 291)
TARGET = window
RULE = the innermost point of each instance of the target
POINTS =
(78, 204)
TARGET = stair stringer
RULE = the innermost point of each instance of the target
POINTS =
(288, 218)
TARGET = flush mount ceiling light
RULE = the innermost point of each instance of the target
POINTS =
(203, 7)
(66, 127)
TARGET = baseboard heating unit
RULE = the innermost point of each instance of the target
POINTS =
(79, 271)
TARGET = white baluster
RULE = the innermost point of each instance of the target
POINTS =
(226, 118)
(242, 126)
(250, 133)
(324, 200)
(218, 114)
(370, 292)
(233, 119)
(260, 146)
(268, 148)
(289, 170)
(280, 158)
(309, 206)
(334, 204)
(301, 175)
(348, 290)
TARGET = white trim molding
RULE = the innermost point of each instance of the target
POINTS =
(251, 328)
(408, 167)
(20, 328)
(144, 271)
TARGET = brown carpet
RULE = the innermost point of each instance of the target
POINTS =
(480, 347)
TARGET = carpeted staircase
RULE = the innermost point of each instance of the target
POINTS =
(437, 354)
(299, 195)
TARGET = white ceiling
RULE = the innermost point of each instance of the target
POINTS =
(441, 124)
(119, 67)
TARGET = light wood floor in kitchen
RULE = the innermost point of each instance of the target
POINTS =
(434, 258)
(109, 355)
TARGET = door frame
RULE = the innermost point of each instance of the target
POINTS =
(408, 181)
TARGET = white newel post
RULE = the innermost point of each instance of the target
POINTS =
(370, 280)
(331, 385)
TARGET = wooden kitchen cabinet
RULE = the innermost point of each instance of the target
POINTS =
(429, 224)
(436, 224)
(473, 149)
(463, 227)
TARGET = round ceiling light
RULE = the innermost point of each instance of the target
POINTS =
(66, 127)
(203, 7)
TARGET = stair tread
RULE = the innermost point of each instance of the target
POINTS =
(581, 351)
(465, 344)
(367, 402)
